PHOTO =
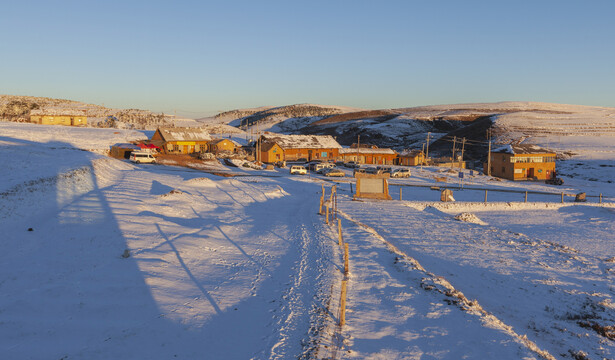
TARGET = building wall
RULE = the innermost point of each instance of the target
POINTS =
(225, 145)
(183, 147)
(276, 153)
(522, 166)
(411, 160)
(370, 158)
(66, 120)
(311, 154)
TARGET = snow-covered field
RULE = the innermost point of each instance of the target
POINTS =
(105, 259)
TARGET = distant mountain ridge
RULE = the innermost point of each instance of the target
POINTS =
(407, 128)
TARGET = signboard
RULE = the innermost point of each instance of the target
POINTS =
(372, 186)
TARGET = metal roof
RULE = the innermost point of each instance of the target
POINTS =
(184, 134)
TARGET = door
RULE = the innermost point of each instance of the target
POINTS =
(530, 173)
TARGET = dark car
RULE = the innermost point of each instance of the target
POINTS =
(554, 181)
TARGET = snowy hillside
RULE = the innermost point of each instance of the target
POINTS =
(17, 108)
(284, 118)
(104, 259)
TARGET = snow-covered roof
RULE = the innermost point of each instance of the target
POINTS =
(413, 153)
(126, 146)
(367, 151)
(217, 141)
(58, 112)
(516, 149)
(302, 141)
(184, 134)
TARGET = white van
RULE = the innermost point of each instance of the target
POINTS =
(142, 157)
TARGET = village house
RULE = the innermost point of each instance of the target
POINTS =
(522, 162)
(222, 145)
(277, 147)
(181, 140)
(369, 155)
(65, 117)
(411, 158)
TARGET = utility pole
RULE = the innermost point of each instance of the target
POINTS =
(453, 157)
(427, 150)
(423, 152)
(358, 149)
(463, 145)
(489, 153)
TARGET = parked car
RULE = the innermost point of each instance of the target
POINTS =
(298, 170)
(400, 173)
(319, 168)
(334, 172)
(358, 170)
(555, 181)
(371, 170)
(142, 157)
(351, 164)
(383, 169)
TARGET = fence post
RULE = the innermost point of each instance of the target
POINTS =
(343, 304)
(526, 196)
(339, 231)
(327, 214)
(562, 197)
(600, 198)
(346, 269)
(485, 197)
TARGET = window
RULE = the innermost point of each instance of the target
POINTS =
(324, 154)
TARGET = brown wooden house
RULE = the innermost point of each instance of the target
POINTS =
(522, 162)
(277, 147)
(222, 145)
(411, 158)
(181, 140)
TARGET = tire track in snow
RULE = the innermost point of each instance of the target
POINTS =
(432, 282)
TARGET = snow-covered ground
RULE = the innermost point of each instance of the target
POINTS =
(104, 259)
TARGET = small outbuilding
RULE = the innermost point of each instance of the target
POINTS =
(123, 150)
(522, 162)
(222, 145)
(411, 158)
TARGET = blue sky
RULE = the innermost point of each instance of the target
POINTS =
(202, 57)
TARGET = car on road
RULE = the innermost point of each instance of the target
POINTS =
(298, 170)
(335, 172)
(400, 173)
(142, 157)
(351, 164)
